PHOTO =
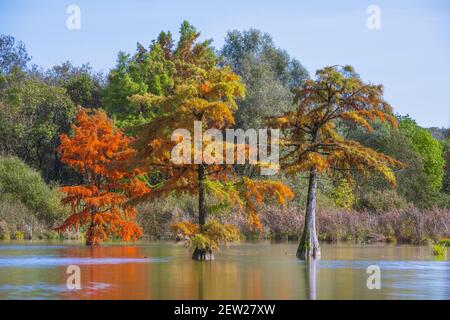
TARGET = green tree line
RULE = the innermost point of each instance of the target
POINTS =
(37, 106)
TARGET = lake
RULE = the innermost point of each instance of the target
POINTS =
(262, 270)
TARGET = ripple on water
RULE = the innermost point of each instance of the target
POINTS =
(403, 279)
(26, 247)
(40, 290)
(385, 265)
(51, 261)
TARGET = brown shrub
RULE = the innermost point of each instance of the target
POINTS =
(408, 225)
(16, 217)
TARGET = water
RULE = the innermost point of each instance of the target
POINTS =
(163, 270)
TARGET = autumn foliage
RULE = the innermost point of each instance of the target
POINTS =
(314, 143)
(211, 235)
(97, 151)
(203, 92)
(311, 132)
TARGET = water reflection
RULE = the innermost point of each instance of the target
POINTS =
(311, 278)
(244, 271)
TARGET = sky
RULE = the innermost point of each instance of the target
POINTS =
(409, 54)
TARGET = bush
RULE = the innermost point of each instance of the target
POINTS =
(17, 217)
(21, 184)
(408, 225)
(184, 229)
(382, 201)
(20, 219)
(156, 217)
(343, 195)
(52, 235)
(280, 223)
(439, 250)
(4, 231)
(404, 225)
(211, 235)
(19, 235)
(417, 226)
(445, 242)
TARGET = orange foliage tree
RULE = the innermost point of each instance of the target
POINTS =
(314, 143)
(97, 150)
(203, 93)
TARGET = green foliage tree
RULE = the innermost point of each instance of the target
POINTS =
(429, 149)
(119, 88)
(446, 182)
(147, 71)
(343, 194)
(32, 116)
(13, 54)
(413, 181)
(268, 73)
(82, 84)
(240, 45)
(21, 184)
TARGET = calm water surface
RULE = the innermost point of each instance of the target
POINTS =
(161, 270)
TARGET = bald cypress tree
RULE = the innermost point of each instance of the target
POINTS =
(313, 144)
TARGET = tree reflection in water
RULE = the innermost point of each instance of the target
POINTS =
(311, 278)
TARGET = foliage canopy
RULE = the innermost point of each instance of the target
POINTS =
(97, 151)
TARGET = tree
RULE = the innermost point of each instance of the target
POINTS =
(252, 43)
(119, 88)
(413, 183)
(268, 73)
(265, 94)
(147, 71)
(37, 106)
(446, 186)
(203, 97)
(430, 151)
(82, 84)
(97, 151)
(446, 181)
(21, 184)
(313, 143)
(12, 55)
(32, 116)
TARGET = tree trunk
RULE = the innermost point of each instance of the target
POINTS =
(56, 167)
(202, 254)
(201, 196)
(309, 244)
(90, 240)
(90, 236)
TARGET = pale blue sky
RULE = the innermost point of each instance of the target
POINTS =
(409, 55)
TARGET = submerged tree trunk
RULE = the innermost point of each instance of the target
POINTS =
(90, 239)
(91, 242)
(309, 244)
(202, 254)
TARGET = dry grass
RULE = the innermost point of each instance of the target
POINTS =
(409, 225)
